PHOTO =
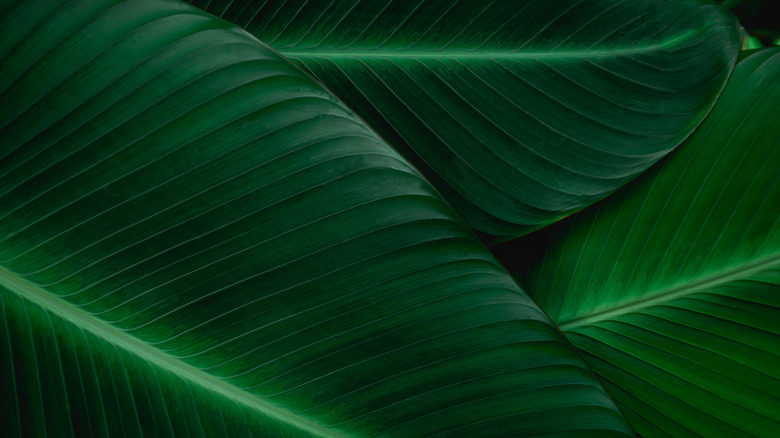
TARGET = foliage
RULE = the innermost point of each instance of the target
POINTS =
(198, 236)
(518, 115)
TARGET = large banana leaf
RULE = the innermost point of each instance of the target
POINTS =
(671, 287)
(198, 239)
(519, 112)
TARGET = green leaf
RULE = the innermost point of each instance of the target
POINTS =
(198, 239)
(520, 113)
(671, 287)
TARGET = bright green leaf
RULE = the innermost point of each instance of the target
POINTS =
(671, 287)
(198, 239)
(519, 112)
(750, 43)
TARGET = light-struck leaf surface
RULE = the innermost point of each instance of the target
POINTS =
(671, 287)
(197, 239)
(519, 112)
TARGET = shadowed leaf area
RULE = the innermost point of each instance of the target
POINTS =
(519, 113)
(671, 287)
(759, 19)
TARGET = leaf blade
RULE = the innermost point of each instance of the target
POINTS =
(519, 115)
(669, 288)
(214, 243)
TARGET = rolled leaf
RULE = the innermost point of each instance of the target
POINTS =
(671, 287)
(197, 239)
(520, 113)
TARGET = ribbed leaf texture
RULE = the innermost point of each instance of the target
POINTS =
(197, 239)
(671, 287)
(520, 113)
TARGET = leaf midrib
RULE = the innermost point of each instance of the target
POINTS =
(82, 319)
(736, 273)
(401, 53)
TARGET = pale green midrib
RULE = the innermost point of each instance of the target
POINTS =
(294, 52)
(739, 272)
(36, 295)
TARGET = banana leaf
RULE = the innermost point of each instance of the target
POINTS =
(671, 287)
(197, 239)
(520, 113)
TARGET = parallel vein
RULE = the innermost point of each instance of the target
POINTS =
(395, 64)
(84, 321)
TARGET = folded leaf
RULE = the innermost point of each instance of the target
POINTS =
(671, 287)
(198, 239)
(520, 113)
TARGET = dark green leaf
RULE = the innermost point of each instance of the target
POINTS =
(671, 287)
(198, 239)
(519, 112)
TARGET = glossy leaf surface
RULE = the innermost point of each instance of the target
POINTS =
(671, 287)
(197, 239)
(519, 112)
